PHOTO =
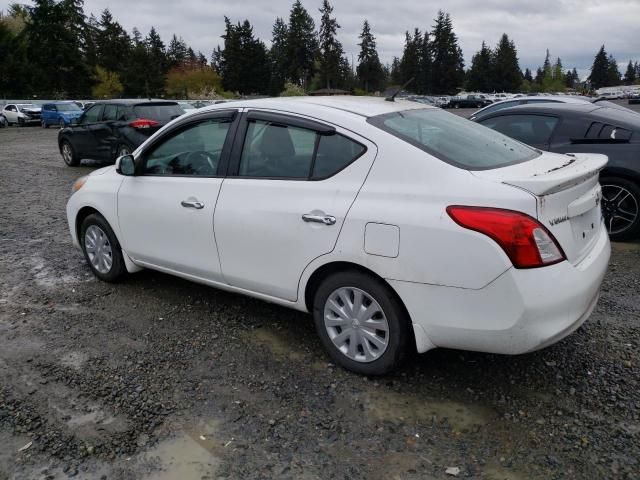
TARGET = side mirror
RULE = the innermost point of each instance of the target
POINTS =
(126, 165)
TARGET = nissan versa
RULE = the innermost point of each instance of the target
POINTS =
(398, 226)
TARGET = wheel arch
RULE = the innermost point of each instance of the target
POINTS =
(627, 174)
(327, 269)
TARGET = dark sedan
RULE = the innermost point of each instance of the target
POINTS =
(586, 128)
(110, 129)
(469, 101)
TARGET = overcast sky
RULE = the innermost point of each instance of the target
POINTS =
(570, 29)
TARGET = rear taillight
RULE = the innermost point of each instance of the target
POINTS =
(143, 123)
(527, 243)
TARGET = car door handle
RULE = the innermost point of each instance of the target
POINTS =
(192, 204)
(326, 219)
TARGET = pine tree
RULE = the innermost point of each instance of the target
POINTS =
(278, 57)
(539, 77)
(448, 63)
(369, 71)
(527, 75)
(302, 45)
(113, 44)
(613, 74)
(424, 81)
(177, 52)
(507, 76)
(157, 65)
(410, 62)
(479, 76)
(395, 75)
(135, 79)
(557, 74)
(600, 70)
(330, 49)
(630, 74)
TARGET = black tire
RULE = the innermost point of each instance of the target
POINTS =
(118, 268)
(71, 158)
(61, 123)
(631, 204)
(123, 150)
(399, 334)
(20, 122)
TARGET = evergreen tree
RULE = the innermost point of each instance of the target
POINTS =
(156, 65)
(369, 72)
(600, 70)
(243, 62)
(302, 45)
(613, 74)
(630, 74)
(448, 63)
(410, 62)
(395, 75)
(177, 52)
(479, 76)
(278, 57)
(557, 74)
(330, 49)
(539, 77)
(424, 81)
(136, 82)
(527, 75)
(113, 44)
(507, 76)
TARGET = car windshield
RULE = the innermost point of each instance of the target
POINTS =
(160, 112)
(453, 139)
(25, 106)
(68, 107)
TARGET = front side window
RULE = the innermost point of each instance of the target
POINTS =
(66, 107)
(92, 115)
(11, 108)
(276, 150)
(192, 151)
(453, 139)
(529, 129)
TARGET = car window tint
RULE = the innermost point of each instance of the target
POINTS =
(110, 113)
(92, 115)
(194, 150)
(335, 152)
(160, 112)
(276, 150)
(453, 139)
(529, 129)
(123, 113)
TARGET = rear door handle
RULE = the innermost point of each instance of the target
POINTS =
(326, 219)
(192, 204)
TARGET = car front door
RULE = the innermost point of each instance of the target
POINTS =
(11, 113)
(104, 133)
(165, 211)
(290, 185)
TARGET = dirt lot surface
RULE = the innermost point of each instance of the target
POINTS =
(159, 378)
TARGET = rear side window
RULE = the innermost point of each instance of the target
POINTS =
(110, 113)
(92, 115)
(605, 132)
(160, 112)
(529, 129)
(453, 139)
(276, 150)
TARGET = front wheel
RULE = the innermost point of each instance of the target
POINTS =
(621, 208)
(361, 323)
(69, 154)
(101, 248)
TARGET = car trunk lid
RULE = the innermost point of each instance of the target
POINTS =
(567, 193)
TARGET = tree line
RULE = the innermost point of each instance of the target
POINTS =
(52, 49)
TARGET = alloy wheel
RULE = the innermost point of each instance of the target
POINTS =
(98, 248)
(619, 208)
(123, 151)
(67, 153)
(356, 324)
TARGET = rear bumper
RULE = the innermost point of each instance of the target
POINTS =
(520, 311)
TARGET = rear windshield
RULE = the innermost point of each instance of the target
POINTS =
(160, 112)
(453, 139)
(68, 107)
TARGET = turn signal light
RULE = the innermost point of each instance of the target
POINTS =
(527, 243)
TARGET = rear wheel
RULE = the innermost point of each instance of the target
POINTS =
(101, 248)
(69, 154)
(361, 323)
(123, 150)
(621, 207)
(61, 123)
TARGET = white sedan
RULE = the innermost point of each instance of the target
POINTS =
(398, 226)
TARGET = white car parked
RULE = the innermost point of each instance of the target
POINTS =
(398, 226)
(21, 113)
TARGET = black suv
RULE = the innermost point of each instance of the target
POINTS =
(110, 129)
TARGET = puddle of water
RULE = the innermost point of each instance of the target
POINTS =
(396, 407)
(191, 455)
(276, 342)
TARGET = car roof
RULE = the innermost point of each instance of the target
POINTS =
(362, 106)
(136, 101)
(577, 108)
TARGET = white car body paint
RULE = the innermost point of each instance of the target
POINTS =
(459, 287)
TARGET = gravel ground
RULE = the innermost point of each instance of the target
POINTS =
(159, 378)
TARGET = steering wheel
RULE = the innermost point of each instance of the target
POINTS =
(201, 162)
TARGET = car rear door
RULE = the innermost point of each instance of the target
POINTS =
(104, 133)
(290, 185)
(165, 211)
(81, 135)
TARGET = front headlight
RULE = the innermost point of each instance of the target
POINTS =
(77, 185)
